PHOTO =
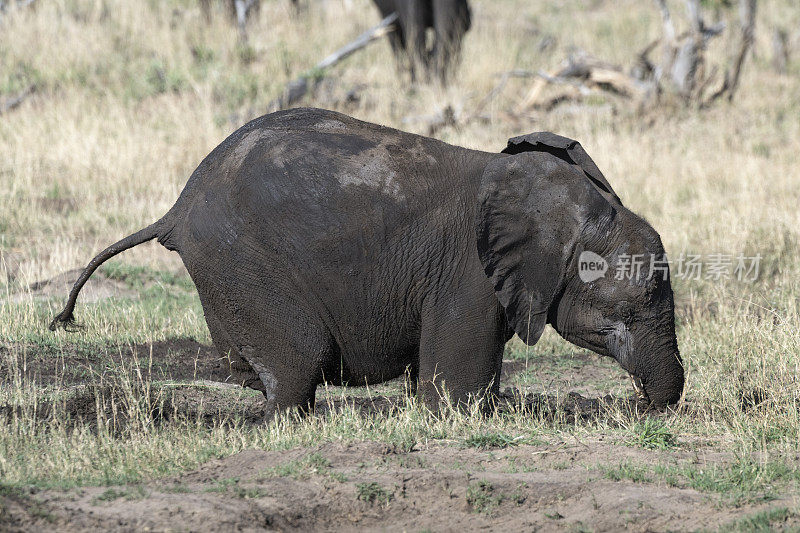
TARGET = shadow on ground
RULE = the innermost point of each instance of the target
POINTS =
(165, 380)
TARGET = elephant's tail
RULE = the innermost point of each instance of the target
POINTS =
(65, 319)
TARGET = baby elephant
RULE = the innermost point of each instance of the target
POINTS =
(326, 249)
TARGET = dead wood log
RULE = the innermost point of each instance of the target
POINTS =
(747, 13)
(780, 51)
(582, 75)
(243, 8)
(747, 16)
(298, 87)
(15, 101)
(683, 68)
(668, 30)
(683, 65)
(445, 117)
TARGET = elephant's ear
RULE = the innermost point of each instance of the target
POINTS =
(570, 151)
(527, 225)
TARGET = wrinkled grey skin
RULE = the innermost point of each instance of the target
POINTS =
(449, 19)
(326, 249)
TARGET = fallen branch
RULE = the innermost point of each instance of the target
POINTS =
(584, 74)
(445, 117)
(15, 101)
(19, 4)
(242, 9)
(298, 88)
(780, 51)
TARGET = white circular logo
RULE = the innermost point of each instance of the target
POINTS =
(591, 266)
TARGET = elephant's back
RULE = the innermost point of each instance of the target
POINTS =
(317, 185)
(315, 171)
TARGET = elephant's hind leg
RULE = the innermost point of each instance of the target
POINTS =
(285, 344)
(240, 370)
(289, 364)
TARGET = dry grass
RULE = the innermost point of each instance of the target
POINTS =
(130, 97)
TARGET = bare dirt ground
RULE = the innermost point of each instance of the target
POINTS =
(440, 486)
(370, 486)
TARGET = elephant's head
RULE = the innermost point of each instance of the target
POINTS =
(543, 210)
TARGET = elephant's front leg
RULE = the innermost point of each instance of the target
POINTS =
(461, 348)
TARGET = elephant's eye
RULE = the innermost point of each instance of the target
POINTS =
(624, 310)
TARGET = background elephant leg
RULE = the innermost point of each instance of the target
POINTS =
(397, 37)
(451, 21)
(461, 348)
(417, 17)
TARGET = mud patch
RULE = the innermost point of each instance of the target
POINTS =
(120, 408)
(19, 510)
(185, 378)
(180, 359)
(583, 372)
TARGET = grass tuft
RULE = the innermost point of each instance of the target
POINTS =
(652, 434)
(490, 440)
(372, 492)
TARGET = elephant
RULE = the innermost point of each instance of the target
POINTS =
(449, 19)
(329, 250)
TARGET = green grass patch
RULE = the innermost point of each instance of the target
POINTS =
(490, 440)
(133, 492)
(762, 521)
(483, 497)
(139, 277)
(233, 486)
(743, 481)
(627, 471)
(652, 434)
(372, 493)
(312, 464)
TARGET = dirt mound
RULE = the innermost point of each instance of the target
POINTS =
(370, 486)
(99, 287)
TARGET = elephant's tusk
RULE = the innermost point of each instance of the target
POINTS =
(639, 388)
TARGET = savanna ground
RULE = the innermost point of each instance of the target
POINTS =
(128, 423)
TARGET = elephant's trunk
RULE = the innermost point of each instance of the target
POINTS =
(661, 376)
(652, 360)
